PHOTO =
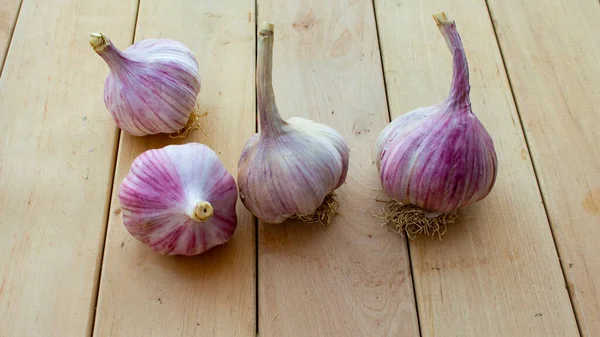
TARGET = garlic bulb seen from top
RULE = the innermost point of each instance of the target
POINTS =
(152, 86)
(291, 168)
(179, 200)
(435, 160)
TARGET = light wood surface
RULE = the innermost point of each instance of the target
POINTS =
(552, 53)
(56, 164)
(146, 294)
(352, 278)
(496, 272)
(9, 10)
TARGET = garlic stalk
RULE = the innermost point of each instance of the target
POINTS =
(152, 85)
(291, 168)
(434, 160)
(179, 200)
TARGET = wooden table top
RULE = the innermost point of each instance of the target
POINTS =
(525, 261)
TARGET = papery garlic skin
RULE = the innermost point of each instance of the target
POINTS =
(152, 86)
(440, 158)
(179, 200)
(290, 167)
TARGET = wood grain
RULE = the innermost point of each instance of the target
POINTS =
(496, 272)
(552, 57)
(56, 163)
(352, 278)
(9, 10)
(213, 294)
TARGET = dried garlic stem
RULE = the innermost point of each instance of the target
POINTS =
(107, 50)
(461, 87)
(442, 20)
(324, 214)
(414, 220)
(203, 212)
(270, 119)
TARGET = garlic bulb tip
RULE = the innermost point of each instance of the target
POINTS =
(440, 18)
(203, 211)
(267, 26)
(98, 41)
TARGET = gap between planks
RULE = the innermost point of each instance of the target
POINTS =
(553, 67)
(387, 103)
(425, 252)
(111, 184)
(254, 218)
(63, 175)
(210, 277)
(329, 53)
(533, 162)
(5, 48)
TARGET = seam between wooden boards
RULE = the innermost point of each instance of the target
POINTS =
(389, 114)
(511, 135)
(324, 25)
(254, 218)
(110, 189)
(153, 22)
(12, 33)
(533, 164)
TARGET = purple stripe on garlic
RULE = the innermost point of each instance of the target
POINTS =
(179, 200)
(435, 160)
(152, 86)
(291, 168)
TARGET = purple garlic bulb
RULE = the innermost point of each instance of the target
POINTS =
(179, 200)
(435, 160)
(291, 168)
(152, 86)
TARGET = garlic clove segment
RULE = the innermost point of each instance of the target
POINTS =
(434, 160)
(152, 86)
(179, 200)
(291, 168)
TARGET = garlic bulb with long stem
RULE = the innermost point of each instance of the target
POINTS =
(152, 86)
(435, 160)
(179, 200)
(291, 168)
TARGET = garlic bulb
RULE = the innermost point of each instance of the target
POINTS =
(152, 86)
(435, 160)
(290, 169)
(179, 200)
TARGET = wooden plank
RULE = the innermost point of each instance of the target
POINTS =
(496, 272)
(146, 294)
(9, 10)
(551, 54)
(56, 164)
(352, 278)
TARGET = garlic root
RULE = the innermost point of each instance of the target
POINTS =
(413, 220)
(324, 213)
(192, 124)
